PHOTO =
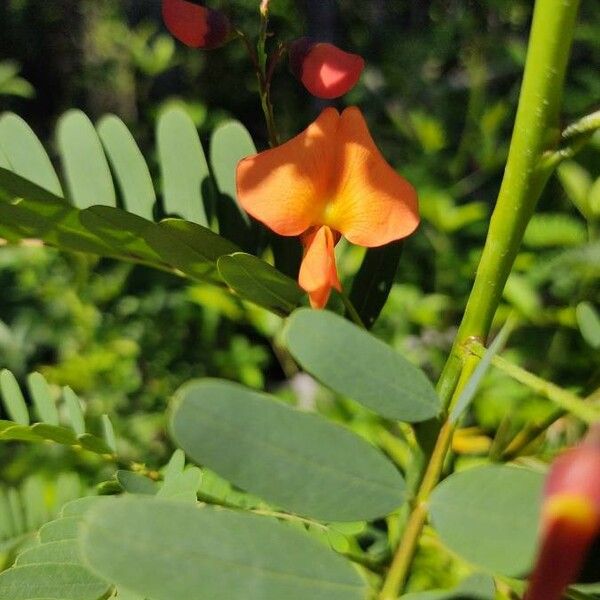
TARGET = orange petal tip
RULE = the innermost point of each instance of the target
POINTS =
(318, 273)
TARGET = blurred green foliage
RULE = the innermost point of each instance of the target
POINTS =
(439, 93)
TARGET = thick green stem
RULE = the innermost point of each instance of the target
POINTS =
(536, 129)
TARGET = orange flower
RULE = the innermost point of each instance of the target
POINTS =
(328, 181)
(325, 70)
(570, 519)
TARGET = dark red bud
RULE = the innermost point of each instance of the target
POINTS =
(194, 25)
(570, 519)
(325, 70)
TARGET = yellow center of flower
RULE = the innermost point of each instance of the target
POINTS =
(577, 510)
(328, 215)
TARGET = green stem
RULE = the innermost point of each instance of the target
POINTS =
(258, 58)
(586, 125)
(351, 310)
(536, 125)
(263, 78)
(563, 398)
(574, 137)
(527, 436)
(267, 107)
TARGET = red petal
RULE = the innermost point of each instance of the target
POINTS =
(570, 519)
(196, 26)
(325, 70)
(576, 473)
(561, 558)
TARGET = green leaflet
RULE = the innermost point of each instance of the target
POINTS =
(216, 553)
(129, 166)
(25, 154)
(356, 364)
(52, 569)
(489, 515)
(230, 142)
(295, 460)
(184, 170)
(588, 321)
(476, 587)
(51, 581)
(259, 282)
(84, 162)
(21, 426)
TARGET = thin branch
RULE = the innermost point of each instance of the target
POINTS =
(563, 398)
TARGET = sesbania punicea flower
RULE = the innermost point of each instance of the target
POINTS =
(570, 519)
(329, 181)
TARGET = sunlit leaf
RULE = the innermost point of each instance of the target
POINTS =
(356, 364)
(230, 142)
(293, 459)
(84, 162)
(589, 323)
(129, 166)
(489, 515)
(13, 398)
(28, 211)
(122, 231)
(25, 153)
(216, 553)
(259, 282)
(476, 587)
(183, 165)
(74, 410)
(42, 398)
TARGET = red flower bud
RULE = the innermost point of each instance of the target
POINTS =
(194, 25)
(570, 519)
(325, 70)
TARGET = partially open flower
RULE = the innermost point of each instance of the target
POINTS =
(194, 25)
(570, 519)
(328, 181)
(325, 70)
